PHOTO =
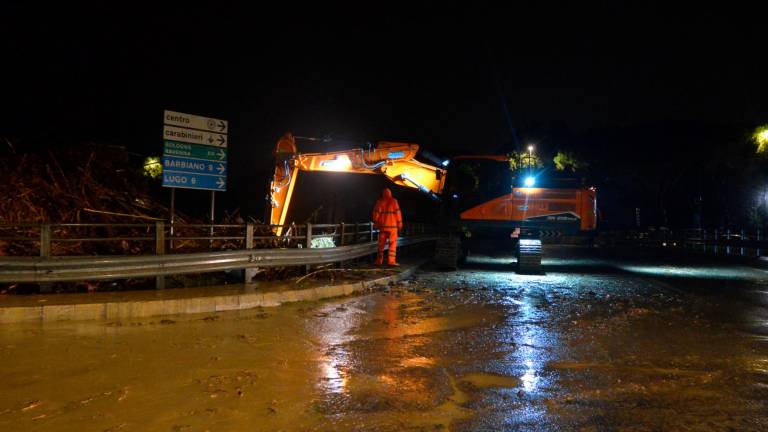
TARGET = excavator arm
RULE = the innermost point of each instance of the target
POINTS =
(395, 161)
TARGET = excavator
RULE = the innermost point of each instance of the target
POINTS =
(482, 200)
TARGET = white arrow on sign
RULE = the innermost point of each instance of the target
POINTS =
(173, 133)
(221, 168)
(222, 154)
(174, 118)
(217, 140)
(220, 183)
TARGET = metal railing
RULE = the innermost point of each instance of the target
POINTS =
(741, 242)
(296, 249)
(726, 242)
(169, 239)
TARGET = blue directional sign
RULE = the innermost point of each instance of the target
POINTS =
(185, 180)
(190, 173)
(194, 166)
(196, 157)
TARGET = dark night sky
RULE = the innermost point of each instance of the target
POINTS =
(451, 79)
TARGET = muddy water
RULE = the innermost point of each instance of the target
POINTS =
(482, 349)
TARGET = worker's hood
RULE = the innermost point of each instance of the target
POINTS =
(386, 193)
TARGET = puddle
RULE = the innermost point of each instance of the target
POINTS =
(487, 380)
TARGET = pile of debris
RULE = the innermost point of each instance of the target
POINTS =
(81, 184)
(92, 184)
(99, 184)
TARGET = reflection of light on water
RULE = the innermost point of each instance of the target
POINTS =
(760, 366)
(417, 361)
(334, 333)
(527, 352)
(514, 301)
(570, 262)
(552, 261)
(529, 378)
(333, 379)
(388, 380)
(693, 272)
(482, 259)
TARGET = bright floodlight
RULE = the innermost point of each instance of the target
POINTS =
(530, 148)
(339, 163)
(530, 181)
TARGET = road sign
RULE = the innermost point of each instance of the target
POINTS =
(195, 151)
(173, 133)
(195, 166)
(185, 180)
(190, 121)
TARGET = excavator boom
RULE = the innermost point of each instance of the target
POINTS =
(395, 161)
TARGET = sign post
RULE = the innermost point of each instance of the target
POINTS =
(213, 200)
(194, 156)
(173, 213)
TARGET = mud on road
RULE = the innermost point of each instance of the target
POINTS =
(595, 344)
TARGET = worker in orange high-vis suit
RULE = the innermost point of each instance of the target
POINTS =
(388, 220)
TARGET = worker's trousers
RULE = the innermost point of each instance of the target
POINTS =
(384, 235)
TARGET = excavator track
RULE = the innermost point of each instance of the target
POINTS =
(529, 256)
(447, 253)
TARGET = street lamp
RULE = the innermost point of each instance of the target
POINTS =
(530, 155)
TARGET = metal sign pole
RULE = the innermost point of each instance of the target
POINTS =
(173, 213)
(213, 200)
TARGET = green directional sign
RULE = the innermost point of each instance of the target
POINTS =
(196, 151)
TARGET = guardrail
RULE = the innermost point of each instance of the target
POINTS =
(356, 240)
(62, 269)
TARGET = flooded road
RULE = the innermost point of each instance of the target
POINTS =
(596, 344)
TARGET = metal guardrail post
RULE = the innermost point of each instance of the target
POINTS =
(249, 235)
(741, 250)
(249, 273)
(370, 229)
(45, 252)
(309, 241)
(160, 250)
(342, 242)
(45, 240)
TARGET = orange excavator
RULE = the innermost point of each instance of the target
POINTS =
(483, 201)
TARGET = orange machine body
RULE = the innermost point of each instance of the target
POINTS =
(544, 205)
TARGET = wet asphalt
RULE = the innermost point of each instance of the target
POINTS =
(605, 340)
